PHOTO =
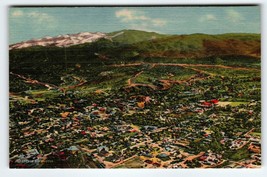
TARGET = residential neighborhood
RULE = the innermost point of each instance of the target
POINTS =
(162, 129)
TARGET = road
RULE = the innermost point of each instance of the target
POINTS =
(48, 85)
(185, 65)
(131, 81)
(167, 83)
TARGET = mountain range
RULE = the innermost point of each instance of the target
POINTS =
(151, 44)
(61, 40)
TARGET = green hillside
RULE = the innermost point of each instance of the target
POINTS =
(134, 36)
(135, 46)
(202, 45)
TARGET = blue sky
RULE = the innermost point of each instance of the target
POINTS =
(34, 22)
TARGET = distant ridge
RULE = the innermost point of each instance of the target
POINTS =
(145, 44)
(61, 40)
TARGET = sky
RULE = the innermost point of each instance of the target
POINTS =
(27, 23)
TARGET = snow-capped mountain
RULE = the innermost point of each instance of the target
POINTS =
(61, 40)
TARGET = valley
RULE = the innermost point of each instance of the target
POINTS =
(137, 99)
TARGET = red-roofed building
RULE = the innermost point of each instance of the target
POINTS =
(214, 101)
(206, 104)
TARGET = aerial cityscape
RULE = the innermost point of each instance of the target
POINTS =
(132, 92)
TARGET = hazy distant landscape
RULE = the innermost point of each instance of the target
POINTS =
(136, 99)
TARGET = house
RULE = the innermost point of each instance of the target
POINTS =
(206, 104)
(163, 156)
(150, 128)
(102, 150)
(72, 148)
(255, 147)
(214, 101)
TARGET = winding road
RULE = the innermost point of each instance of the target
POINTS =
(167, 83)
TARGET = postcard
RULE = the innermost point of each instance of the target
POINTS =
(135, 86)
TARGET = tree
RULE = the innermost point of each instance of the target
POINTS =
(218, 61)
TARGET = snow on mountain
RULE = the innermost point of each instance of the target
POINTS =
(61, 40)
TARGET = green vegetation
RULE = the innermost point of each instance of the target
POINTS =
(140, 100)
(134, 36)
(132, 163)
(228, 72)
(135, 46)
(238, 103)
(239, 154)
